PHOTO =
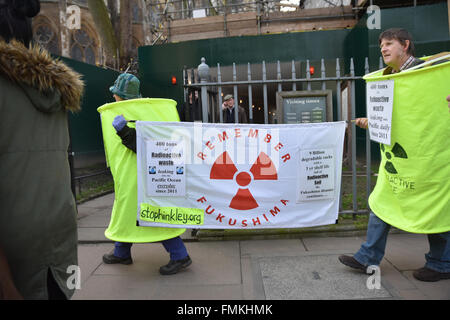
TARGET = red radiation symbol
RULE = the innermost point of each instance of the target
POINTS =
(224, 169)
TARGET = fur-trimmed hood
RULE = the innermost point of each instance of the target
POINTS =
(35, 68)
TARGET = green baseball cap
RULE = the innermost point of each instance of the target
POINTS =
(126, 86)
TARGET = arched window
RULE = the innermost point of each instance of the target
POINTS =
(83, 47)
(47, 38)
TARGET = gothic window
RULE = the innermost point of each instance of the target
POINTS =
(46, 38)
(82, 47)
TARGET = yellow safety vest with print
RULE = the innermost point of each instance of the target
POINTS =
(122, 162)
(412, 192)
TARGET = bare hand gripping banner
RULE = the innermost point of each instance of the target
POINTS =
(238, 176)
(413, 187)
(122, 162)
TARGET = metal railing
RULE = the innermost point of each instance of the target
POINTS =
(212, 87)
(78, 181)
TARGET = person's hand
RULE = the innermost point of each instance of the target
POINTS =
(362, 122)
(448, 99)
(119, 122)
(224, 106)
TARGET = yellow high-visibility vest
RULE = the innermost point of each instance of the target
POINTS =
(412, 192)
(122, 162)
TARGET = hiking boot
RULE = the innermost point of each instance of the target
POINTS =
(110, 258)
(352, 263)
(174, 266)
(425, 274)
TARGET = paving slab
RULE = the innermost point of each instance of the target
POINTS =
(346, 244)
(393, 279)
(90, 258)
(432, 290)
(117, 287)
(92, 235)
(314, 277)
(280, 247)
(213, 264)
(99, 218)
(104, 203)
(214, 274)
(252, 284)
(407, 251)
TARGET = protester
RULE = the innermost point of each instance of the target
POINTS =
(38, 230)
(397, 49)
(126, 87)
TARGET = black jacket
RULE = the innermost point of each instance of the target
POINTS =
(128, 136)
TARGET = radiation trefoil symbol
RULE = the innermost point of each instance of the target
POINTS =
(224, 169)
(398, 152)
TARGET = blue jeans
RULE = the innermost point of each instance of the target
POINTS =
(372, 251)
(175, 247)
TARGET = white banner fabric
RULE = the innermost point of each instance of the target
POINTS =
(238, 176)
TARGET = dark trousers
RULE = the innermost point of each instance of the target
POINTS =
(175, 247)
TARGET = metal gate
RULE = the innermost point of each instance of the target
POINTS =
(204, 89)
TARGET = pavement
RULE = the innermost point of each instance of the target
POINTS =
(302, 268)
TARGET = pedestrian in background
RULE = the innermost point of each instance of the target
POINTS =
(229, 110)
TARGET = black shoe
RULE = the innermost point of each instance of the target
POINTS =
(352, 263)
(110, 258)
(174, 266)
(428, 275)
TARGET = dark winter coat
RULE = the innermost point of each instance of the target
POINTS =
(229, 117)
(37, 210)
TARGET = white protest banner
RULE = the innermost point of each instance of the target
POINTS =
(238, 176)
(380, 99)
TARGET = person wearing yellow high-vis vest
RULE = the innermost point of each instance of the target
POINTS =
(126, 87)
(397, 50)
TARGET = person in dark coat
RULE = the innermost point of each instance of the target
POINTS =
(228, 111)
(38, 229)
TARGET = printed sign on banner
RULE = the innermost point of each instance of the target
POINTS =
(165, 163)
(238, 175)
(380, 99)
(316, 174)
